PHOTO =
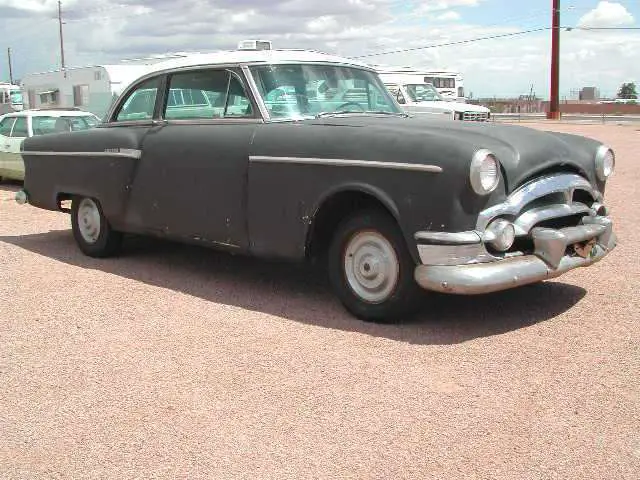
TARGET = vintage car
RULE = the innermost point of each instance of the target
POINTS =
(17, 126)
(392, 204)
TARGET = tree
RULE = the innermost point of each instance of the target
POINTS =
(627, 90)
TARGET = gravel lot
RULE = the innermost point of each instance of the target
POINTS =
(178, 362)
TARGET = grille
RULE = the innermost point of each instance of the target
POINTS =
(554, 201)
(475, 116)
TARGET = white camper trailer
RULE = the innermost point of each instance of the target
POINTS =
(90, 88)
(448, 83)
(10, 98)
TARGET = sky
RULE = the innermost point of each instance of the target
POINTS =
(106, 31)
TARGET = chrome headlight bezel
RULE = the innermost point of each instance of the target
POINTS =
(476, 172)
(603, 171)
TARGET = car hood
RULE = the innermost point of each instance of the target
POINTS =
(418, 107)
(522, 151)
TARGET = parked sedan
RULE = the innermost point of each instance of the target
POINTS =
(15, 127)
(392, 203)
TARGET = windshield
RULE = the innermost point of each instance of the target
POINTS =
(301, 90)
(423, 92)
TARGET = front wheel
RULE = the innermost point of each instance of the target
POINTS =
(371, 269)
(91, 230)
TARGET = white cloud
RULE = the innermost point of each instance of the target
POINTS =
(110, 30)
(448, 16)
(323, 24)
(606, 14)
(35, 5)
(437, 5)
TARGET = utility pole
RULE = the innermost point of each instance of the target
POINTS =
(10, 68)
(554, 102)
(61, 39)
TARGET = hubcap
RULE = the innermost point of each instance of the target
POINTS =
(89, 220)
(371, 266)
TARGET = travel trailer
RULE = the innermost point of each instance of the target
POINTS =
(10, 98)
(90, 88)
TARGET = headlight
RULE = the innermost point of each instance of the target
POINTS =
(605, 162)
(484, 172)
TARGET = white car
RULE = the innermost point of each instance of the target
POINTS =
(423, 98)
(16, 126)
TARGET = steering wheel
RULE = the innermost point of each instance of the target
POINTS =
(341, 107)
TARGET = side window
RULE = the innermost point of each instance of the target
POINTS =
(206, 94)
(140, 103)
(20, 128)
(5, 126)
(238, 104)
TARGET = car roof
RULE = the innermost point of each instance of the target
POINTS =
(254, 57)
(48, 113)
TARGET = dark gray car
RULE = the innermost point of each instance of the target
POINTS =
(300, 155)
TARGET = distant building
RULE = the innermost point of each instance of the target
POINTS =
(589, 94)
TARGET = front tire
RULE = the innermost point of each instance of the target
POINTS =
(371, 269)
(91, 230)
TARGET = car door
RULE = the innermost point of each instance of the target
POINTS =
(13, 163)
(6, 124)
(191, 182)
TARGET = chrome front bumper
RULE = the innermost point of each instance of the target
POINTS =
(551, 258)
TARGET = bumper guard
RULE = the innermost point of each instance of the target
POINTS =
(549, 260)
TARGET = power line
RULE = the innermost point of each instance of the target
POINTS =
(458, 42)
(601, 28)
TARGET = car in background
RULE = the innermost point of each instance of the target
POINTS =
(15, 127)
(417, 97)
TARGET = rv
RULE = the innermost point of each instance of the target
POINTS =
(10, 98)
(448, 83)
(90, 88)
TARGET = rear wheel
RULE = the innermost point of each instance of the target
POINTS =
(91, 230)
(371, 269)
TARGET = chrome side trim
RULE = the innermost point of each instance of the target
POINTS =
(343, 162)
(528, 219)
(124, 152)
(560, 183)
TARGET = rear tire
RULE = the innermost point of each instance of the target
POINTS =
(91, 230)
(371, 269)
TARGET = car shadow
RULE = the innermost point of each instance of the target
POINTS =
(299, 293)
